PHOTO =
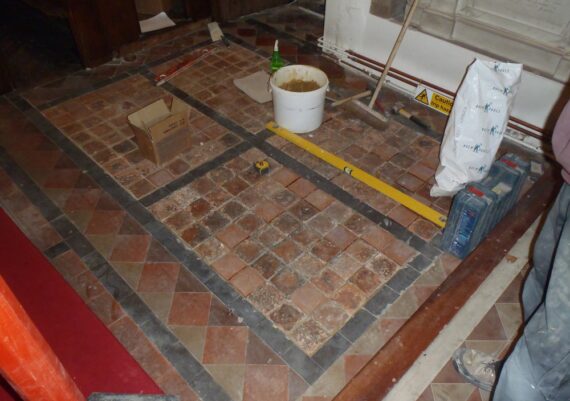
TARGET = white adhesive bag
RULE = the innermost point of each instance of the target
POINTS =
(476, 125)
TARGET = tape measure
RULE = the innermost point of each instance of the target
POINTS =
(262, 166)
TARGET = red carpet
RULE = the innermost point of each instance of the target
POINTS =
(86, 348)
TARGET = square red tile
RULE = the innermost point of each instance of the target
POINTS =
(229, 265)
(268, 210)
(247, 281)
(302, 187)
(232, 235)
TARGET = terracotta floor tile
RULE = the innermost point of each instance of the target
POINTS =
(490, 328)
(69, 265)
(331, 316)
(424, 229)
(511, 316)
(341, 237)
(247, 281)
(249, 222)
(287, 281)
(267, 298)
(229, 265)
(187, 282)
(383, 266)
(366, 280)
(378, 238)
(268, 211)
(399, 252)
(225, 345)
(287, 223)
(319, 199)
(260, 354)
(325, 250)
(130, 248)
(211, 249)
(328, 282)
(302, 187)
(159, 277)
(265, 382)
(403, 215)
(284, 176)
(232, 235)
(309, 335)
(287, 251)
(350, 297)
(221, 315)
(308, 298)
(308, 265)
(105, 222)
(195, 234)
(286, 316)
(190, 309)
(249, 250)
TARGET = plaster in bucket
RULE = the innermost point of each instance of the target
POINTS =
(299, 112)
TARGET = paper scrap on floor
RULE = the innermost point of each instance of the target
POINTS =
(256, 86)
(159, 21)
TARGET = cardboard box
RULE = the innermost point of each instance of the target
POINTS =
(152, 7)
(162, 133)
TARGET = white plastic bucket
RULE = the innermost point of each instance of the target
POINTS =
(299, 111)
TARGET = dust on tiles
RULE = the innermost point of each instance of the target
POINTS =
(97, 123)
(210, 80)
(298, 255)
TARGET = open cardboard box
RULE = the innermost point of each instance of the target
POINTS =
(162, 132)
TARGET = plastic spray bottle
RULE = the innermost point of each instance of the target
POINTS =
(276, 60)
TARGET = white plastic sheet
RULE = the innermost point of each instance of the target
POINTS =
(476, 124)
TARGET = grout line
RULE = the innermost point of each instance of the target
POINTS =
(424, 370)
(194, 174)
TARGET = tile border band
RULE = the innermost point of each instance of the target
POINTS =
(157, 332)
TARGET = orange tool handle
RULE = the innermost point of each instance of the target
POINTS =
(26, 359)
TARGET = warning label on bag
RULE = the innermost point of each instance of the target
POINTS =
(435, 100)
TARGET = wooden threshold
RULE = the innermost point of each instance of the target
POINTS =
(374, 381)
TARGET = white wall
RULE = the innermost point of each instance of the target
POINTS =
(350, 26)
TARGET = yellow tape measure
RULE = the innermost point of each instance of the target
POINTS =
(362, 176)
(262, 166)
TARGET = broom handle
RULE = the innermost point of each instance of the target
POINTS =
(399, 40)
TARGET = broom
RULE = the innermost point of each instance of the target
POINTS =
(367, 112)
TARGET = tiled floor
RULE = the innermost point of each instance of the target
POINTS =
(223, 283)
(96, 122)
(305, 260)
(493, 335)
